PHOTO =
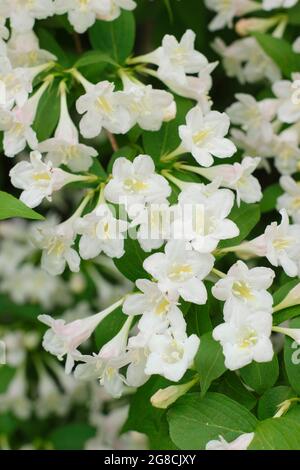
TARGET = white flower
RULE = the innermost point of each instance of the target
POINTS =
(283, 245)
(113, 9)
(158, 311)
(176, 59)
(238, 177)
(288, 96)
(49, 397)
(30, 284)
(17, 85)
(101, 231)
(246, 60)
(82, 14)
(64, 338)
(56, 241)
(154, 225)
(64, 148)
(204, 136)
(148, 107)
(180, 271)
(170, 356)
(203, 216)
(290, 200)
(271, 4)
(38, 180)
(253, 147)
(244, 287)
(226, 11)
(254, 116)
(17, 123)
(196, 88)
(23, 50)
(240, 443)
(14, 399)
(24, 13)
(103, 108)
(285, 147)
(136, 183)
(106, 364)
(245, 338)
(296, 45)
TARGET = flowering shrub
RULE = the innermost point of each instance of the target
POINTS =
(155, 303)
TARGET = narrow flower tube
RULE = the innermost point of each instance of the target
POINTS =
(64, 339)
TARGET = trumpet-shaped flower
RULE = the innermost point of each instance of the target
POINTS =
(148, 107)
(23, 14)
(254, 116)
(64, 148)
(170, 356)
(158, 311)
(238, 177)
(136, 183)
(283, 245)
(82, 14)
(203, 217)
(290, 200)
(226, 11)
(38, 180)
(64, 338)
(288, 96)
(245, 338)
(101, 231)
(176, 59)
(103, 108)
(204, 136)
(23, 50)
(286, 151)
(244, 287)
(56, 241)
(180, 271)
(106, 364)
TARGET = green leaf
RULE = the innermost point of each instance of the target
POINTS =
(115, 38)
(278, 297)
(292, 358)
(94, 57)
(268, 404)
(232, 386)
(276, 434)
(157, 144)
(143, 417)
(131, 263)
(47, 115)
(198, 316)
(109, 327)
(209, 361)
(261, 376)
(283, 291)
(48, 42)
(12, 207)
(193, 422)
(246, 217)
(281, 53)
(270, 196)
(72, 436)
(294, 14)
(6, 375)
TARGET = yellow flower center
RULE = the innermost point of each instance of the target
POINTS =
(180, 272)
(242, 289)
